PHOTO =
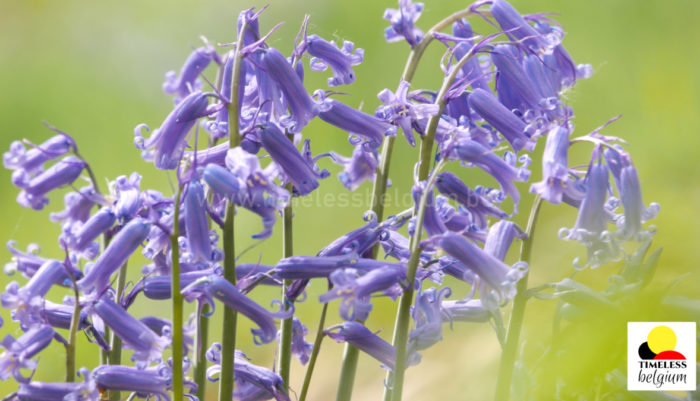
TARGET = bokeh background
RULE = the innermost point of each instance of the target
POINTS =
(95, 69)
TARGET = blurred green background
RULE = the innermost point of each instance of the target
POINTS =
(95, 69)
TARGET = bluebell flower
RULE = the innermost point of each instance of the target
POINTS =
(427, 315)
(561, 68)
(503, 120)
(472, 310)
(356, 291)
(302, 106)
(508, 62)
(149, 382)
(327, 54)
(127, 191)
(359, 336)
(304, 267)
(34, 189)
(555, 166)
(457, 269)
(630, 224)
(73, 391)
(60, 316)
(27, 301)
(26, 263)
(168, 142)
(358, 241)
(80, 237)
(213, 286)
(498, 279)
(298, 168)
(399, 111)
(147, 345)
(357, 169)
(500, 236)
(432, 221)
(196, 224)
(78, 206)
(160, 287)
(19, 352)
(252, 382)
(117, 253)
(187, 81)
(371, 128)
(31, 161)
(591, 224)
(471, 70)
(515, 26)
(502, 170)
(300, 348)
(402, 23)
(163, 327)
(479, 207)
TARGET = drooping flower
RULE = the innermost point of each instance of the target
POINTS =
(357, 241)
(32, 161)
(472, 310)
(196, 224)
(78, 206)
(511, 73)
(427, 316)
(60, 316)
(252, 382)
(503, 120)
(402, 23)
(555, 166)
(19, 352)
(356, 291)
(479, 207)
(72, 391)
(152, 381)
(168, 142)
(213, 286)
(398, 110)
(80, 238)
(327, 54)
(369, 127)
(147, 345)
(359, 336)
(300, 348)
(34, 189)
(117, 253)
(358, 168)
(471, 70)
(187, 82)
(500, 236)
(302, 106)
(127, 191)
(498, 278)
(298, 168)
(514, 25)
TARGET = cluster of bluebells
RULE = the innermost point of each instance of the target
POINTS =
(508, 95)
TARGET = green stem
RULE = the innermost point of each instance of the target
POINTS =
(228, 337)
(286, 326)
(200, 369)
(314, 353)
(74, 325)
(177, 302)
(115, 354)
(505, 371)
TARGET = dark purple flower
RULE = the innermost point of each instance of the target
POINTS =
(511, 73)
(147, 345)
(371, 128)
(214, 286)
(117, 253)
(34, 189)
(298, 168)
(498, 279)
(555, 166)
(168, 142)
(187, 81)
(515, 26)
(356, 291)
(19, 352)
(399, 111)
(252, 382)
(358, 168)
(196, 224)
(302, 106)
(326, 54)
(503, 120)
(402, 23)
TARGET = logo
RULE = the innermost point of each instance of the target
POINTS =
(661, 356)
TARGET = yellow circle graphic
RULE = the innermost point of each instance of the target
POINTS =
(660, 339)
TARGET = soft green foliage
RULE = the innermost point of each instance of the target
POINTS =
(94, 69)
